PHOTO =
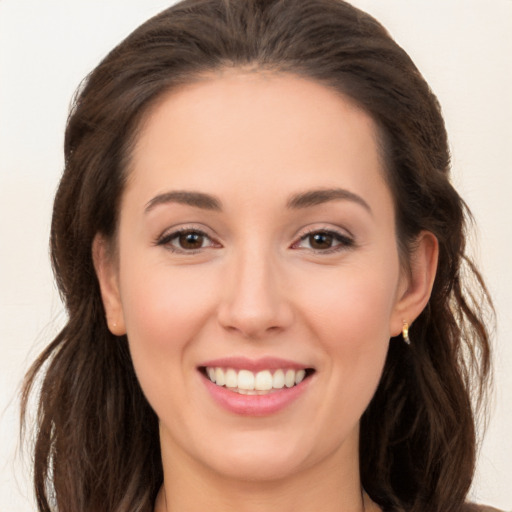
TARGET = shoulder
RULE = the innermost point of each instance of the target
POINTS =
(473, 507)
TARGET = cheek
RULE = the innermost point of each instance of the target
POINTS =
(352, 305)
(349, 313)
(162, 307)
(164, 311)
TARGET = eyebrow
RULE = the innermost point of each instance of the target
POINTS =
(297, 201)
(316, 197)
(197, 199)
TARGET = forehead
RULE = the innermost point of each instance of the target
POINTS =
(240, 130)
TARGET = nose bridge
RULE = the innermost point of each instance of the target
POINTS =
(254, 300)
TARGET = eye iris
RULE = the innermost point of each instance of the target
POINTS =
(321, 240)
(191, 240)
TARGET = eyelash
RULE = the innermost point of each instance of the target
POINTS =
(344, 241)
(166, 239)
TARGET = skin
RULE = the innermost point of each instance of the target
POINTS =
(257, 285)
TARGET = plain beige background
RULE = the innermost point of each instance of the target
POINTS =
(464, 49)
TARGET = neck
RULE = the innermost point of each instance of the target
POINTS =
(324, 486)
(365, 505)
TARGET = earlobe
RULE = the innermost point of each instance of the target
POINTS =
(106, 272)
(414, 294)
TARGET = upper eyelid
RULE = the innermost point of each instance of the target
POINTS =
(176, 230)
(325, 229)
(335, 234)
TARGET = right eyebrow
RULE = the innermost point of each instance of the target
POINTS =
(191, 198)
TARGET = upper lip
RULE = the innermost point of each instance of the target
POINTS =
(254, 365)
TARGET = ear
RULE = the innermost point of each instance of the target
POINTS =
(107, 273)
(416, 282)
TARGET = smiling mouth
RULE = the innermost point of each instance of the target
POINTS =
(246, 382)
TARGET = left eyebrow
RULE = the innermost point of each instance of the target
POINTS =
(319, 196)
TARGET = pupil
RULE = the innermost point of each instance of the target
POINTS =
(191, 240)
(321, 241)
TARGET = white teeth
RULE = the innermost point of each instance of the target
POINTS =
(289, 378)
(219, 377)
(299, 376)
(248, 383)
(263, 381)
(245, 379)
(231, 378)
(278, 379)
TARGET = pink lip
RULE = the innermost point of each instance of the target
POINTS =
(255, 405)
(254, 365)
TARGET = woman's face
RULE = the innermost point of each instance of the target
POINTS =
(257, 244)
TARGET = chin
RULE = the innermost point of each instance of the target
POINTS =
(265, 456)
(259, 467)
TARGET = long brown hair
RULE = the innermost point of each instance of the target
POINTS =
(97, 446)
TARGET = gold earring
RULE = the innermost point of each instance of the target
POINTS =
(405, 333)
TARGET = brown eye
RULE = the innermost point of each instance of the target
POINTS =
(186, 241)
(190, 240)
(321, 240)
(324, 242)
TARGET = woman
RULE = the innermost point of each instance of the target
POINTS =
(262, 258)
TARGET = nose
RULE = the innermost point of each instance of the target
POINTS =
(254, 303)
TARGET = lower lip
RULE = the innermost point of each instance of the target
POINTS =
(255, 405)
